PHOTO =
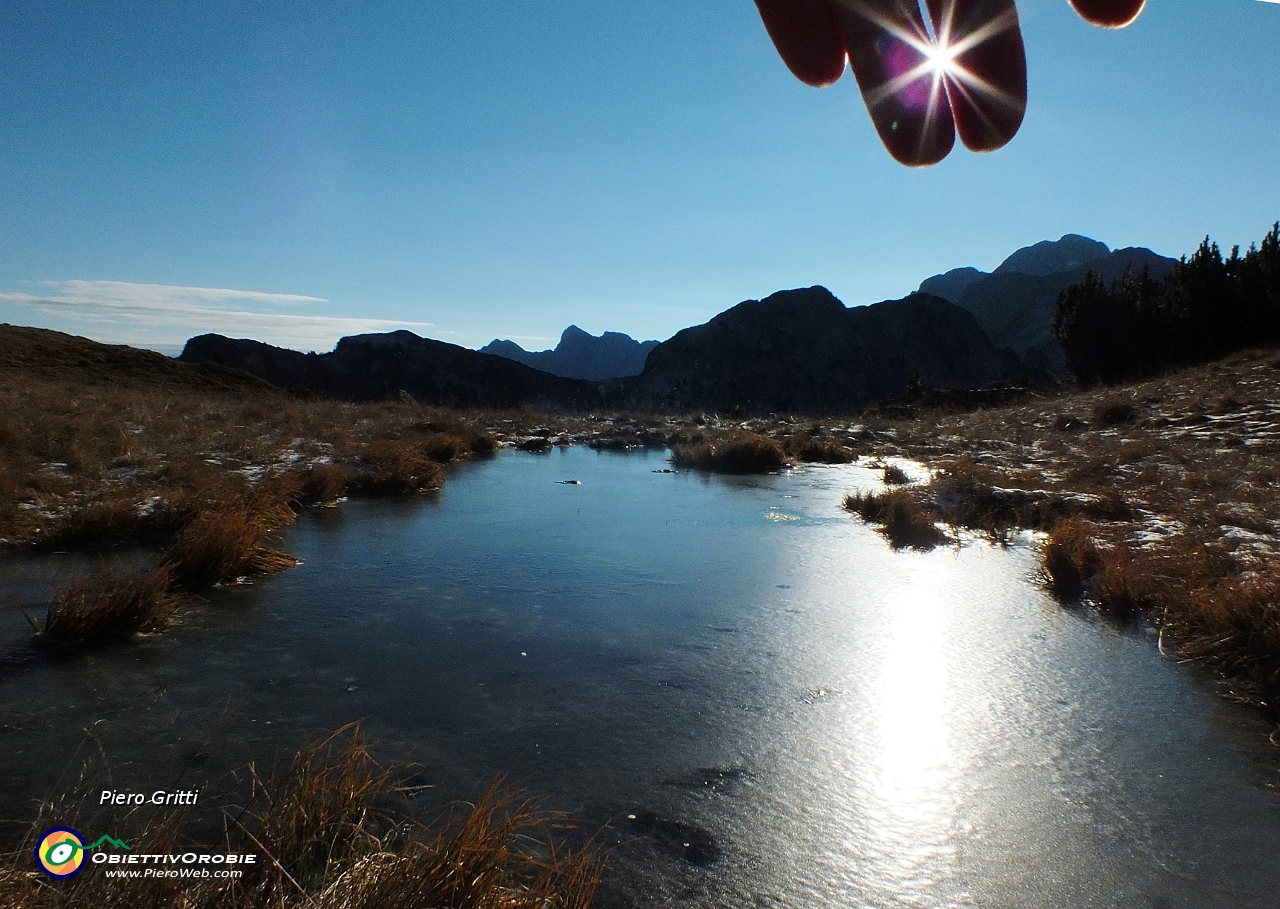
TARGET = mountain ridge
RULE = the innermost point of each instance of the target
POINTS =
(1015, 304)
(580, 355)
(800, 350)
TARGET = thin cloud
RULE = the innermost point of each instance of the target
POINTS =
(164, 316)
(169, 293)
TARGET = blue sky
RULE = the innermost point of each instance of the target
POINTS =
(299, 171)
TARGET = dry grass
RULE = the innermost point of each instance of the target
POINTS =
(226, 544)
(908, 520)
(1235, 627)
(203, 464)
(325, 838)
(395, 467)
(1071, 560)
(739, 452)
(110, 605)
(319, 484)
(319, 814)
(820, 451)
(86, 464)
(1116, 411)
(895, 475)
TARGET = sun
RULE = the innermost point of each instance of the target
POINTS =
(941, 57)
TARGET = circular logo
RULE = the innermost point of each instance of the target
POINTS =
(60, 852)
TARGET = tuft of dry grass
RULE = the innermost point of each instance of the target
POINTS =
(319, 484)
(1116, 411)
(907, 519)
(443, 448)
(1234, 625)
(1070, 559)
(392, 467)
(895, 475)
(820, 451)
(222, 545)
(106, 516)
(324, 839)
(739, 452)
(318, 815)
(110, 605)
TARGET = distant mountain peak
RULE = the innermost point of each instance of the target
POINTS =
(1052, 256)
(581, 355)
(951, 285)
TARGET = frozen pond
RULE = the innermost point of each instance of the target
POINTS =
(766, 704)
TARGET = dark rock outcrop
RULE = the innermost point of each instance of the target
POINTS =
(805, 351)
(376, 366)
(580, 355)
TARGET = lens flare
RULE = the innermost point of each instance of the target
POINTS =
(942, 58)
(963, 69)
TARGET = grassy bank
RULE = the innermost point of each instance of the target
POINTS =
(332, 830)
(104, 446)
(101, 465)
(1160, 501)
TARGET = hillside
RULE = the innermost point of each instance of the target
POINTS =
(40, 353)
(803, 350)
(376, 366)
(1015, 304)
(1016, 310)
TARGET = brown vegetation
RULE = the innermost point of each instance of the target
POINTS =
(327, 837)
(895, 475)
(96, 464)
(1071, 560)
(820, 451)
(739, 452)
(908, 520)
(110, 605)
(222, 545)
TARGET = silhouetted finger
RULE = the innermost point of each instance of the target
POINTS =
(1109, 13)
(983, 59)
(887, 44)
(807, 39)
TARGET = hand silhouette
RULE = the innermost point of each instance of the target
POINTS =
(968, 75)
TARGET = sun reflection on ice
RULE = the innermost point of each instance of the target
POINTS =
(913, 842)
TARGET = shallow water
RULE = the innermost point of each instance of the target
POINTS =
(766, 705)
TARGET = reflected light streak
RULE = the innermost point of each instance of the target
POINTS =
(913, 759)
(912, 693)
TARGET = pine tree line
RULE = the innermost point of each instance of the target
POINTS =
(1137, 326)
